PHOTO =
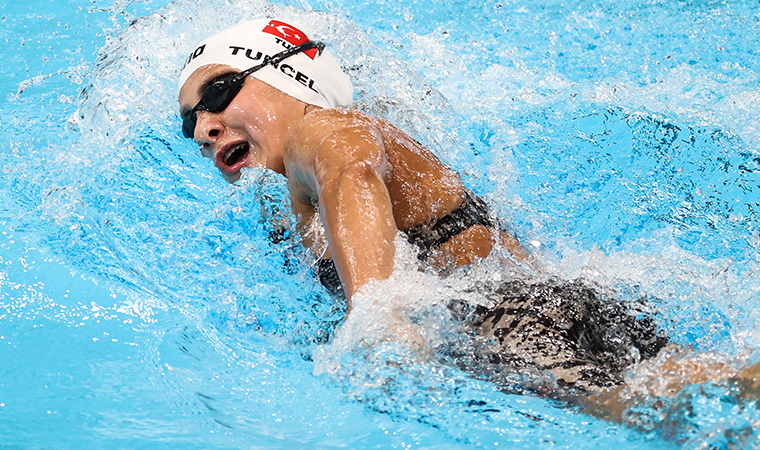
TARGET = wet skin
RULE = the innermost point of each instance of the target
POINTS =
(366, 178)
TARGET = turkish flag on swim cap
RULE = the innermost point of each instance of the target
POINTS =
(289, 34)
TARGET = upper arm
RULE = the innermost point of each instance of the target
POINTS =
(322, 146)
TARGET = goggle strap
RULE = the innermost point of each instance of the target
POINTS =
(279, 57)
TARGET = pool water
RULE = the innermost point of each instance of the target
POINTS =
(144, 302)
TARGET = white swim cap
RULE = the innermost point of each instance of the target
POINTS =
(310, 77)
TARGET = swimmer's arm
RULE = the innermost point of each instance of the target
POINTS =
(667, 379)
(339, 159)
(515, 247)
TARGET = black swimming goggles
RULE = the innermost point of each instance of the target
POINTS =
(222, 90)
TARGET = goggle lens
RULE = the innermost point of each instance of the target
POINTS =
(216, 98)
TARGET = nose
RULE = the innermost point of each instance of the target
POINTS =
(208, 128)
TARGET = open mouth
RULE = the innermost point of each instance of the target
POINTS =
(236, 154)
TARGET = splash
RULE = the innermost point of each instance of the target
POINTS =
(616, 139)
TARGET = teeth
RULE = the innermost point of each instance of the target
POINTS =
(235, 154)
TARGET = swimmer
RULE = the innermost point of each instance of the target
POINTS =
(262, 94)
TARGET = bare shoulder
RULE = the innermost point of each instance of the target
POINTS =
(333, 132)
(339, 117)
(320, 126)
(326, 141)
(322, 123)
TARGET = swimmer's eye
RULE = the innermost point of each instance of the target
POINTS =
(216, 97)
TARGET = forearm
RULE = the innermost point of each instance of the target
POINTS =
(665, 378)
(357, 213)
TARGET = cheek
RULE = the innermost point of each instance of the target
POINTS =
(262, 119)
(269, 116)
(247, 116)
(258, 110)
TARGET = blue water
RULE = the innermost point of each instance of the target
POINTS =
(144, 305)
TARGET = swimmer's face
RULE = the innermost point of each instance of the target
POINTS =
(250, 132)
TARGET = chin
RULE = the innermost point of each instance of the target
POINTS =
(231, 177)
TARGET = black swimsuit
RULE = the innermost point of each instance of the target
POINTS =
(428, 236)
(555, 334)
(434, 233)
(561, 330)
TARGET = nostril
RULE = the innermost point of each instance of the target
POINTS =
(213, 133)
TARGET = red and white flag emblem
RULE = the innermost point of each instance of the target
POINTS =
(289, 34)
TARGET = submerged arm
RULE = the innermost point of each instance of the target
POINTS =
(666, 377)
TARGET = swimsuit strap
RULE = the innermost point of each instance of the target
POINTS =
(431, 235)
(427, 237)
